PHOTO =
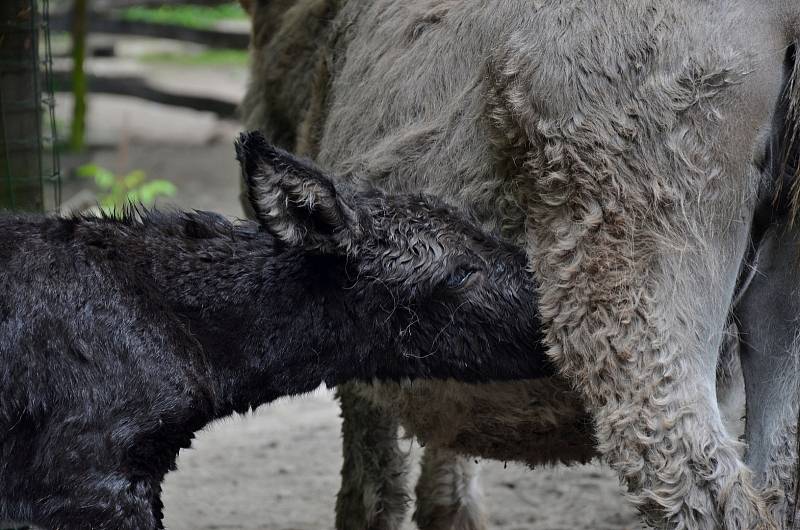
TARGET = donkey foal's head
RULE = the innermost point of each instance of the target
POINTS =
(421, 280)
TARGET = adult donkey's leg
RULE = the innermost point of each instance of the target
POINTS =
(638, 335)
(373, 495)
(769, 316)
(448, 491)
(643, 354)
(636, 242)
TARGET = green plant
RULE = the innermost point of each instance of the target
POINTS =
(221, 57)
(118, 191)
(193, 16)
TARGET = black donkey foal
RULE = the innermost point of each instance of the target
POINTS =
(120, 338)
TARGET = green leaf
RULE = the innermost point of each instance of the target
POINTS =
(87, 170)
(156, 188)
(132, 197)
(121, 191)
(108, 202)
(103, 178)
(117, 193)
(134, 178)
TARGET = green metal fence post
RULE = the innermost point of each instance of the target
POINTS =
(23, 98)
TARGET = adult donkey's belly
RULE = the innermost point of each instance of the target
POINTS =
(534, 422)
(410, 109)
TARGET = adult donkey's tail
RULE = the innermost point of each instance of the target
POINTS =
(786, 202)
(791, 170)
(791, 142)
(794, 515)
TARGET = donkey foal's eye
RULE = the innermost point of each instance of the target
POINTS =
(458, 277)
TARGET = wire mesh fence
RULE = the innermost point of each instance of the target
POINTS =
(30, 177)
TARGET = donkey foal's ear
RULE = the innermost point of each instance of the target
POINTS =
(293, 199)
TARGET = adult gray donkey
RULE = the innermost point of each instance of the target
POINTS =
(635, 148)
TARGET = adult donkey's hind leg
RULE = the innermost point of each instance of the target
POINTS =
(373, 495)
(769, 316)
(448, 491)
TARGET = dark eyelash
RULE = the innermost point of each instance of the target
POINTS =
(458, 277)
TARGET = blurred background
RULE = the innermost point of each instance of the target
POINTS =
(108, 101)
(136, 101)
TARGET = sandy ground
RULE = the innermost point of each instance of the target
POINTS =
(278, 469)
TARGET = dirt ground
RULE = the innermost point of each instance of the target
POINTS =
(278, 469)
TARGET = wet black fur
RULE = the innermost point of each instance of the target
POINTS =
(119, 339)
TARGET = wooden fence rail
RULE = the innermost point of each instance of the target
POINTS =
(138, 87)
(108, 23)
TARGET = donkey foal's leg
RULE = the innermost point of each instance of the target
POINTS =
(104, 502)
(373, 493)
(448, 493)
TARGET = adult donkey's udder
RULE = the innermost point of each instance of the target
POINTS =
(534, 422)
